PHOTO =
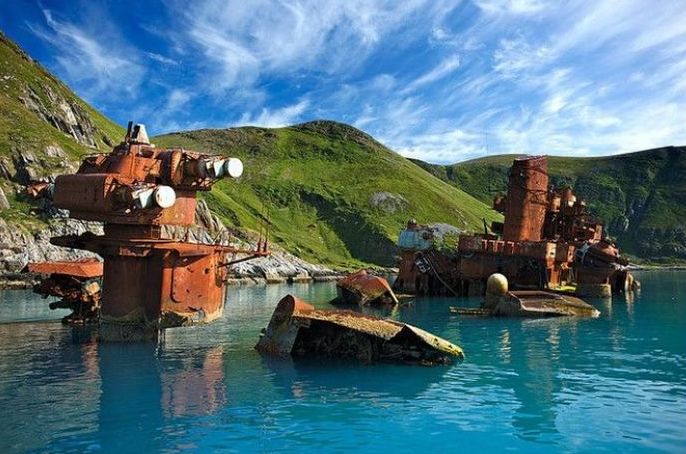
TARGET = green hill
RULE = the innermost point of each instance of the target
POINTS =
(640, 196)
(334, 194)
(44, 127)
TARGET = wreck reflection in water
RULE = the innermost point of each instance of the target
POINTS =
(613, 383)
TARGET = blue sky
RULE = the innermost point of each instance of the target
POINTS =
(437, 80)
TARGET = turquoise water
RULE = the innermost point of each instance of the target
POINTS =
(613, 384)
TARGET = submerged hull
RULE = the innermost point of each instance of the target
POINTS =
(297, 329)
(533, 304)
(361, 288)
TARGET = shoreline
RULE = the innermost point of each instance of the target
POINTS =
(658, 267)
(26, 281)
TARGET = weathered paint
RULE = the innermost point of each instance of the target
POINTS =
(149, 283)
(361, 288)
(526, 200)
(298, 329)
(533, 303)
(78, 285)
(89, 268)
(499, 302)
(548, 240)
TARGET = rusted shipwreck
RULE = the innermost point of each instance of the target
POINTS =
(362, 289)
(298, 329)
(500, 302)
(77, 284)
(150, 281)
(548, 240)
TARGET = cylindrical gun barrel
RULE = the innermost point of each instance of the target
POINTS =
(218, 168)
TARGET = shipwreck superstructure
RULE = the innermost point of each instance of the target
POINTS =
(150, 280)
(548, 240)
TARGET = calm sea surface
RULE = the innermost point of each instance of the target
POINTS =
(613, 384)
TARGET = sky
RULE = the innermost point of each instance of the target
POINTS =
(441, 81)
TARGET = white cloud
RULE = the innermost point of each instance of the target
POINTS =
(442, 147)
(382, 82)
(555, 103)
(177, 99)
(443, 69)
(269, 118)
(514, 56)
(510, 6)
(366, 117)
(577, 78)
(162, 59)
(94, 62)
(282, 38)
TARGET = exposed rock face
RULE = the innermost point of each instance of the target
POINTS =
(388, 202)
(280, 264)
(342, 130)
(4, 203)
(441, 229)
(209, 229)
(28, 166)
(19, 247)
(652, 242)
(68, 117)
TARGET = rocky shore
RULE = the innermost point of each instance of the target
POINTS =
(18, 247)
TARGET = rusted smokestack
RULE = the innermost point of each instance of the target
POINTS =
(527, 197)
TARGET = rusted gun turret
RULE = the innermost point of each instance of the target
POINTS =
(150, 282)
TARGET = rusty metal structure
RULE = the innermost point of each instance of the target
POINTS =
(150, 282)
(548, 240)
(362, 289)
(298, 329)
(526, 201)
(77, 284)
(500, 302)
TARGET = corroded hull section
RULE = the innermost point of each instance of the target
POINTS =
(499, 302)
(299, 330)
(149, 286)
(548, 240)
(534, 304)
(77, 284)
(362, 288)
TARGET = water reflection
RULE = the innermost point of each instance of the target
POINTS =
(153, 385)
(604, 384)
(537, 385)
(195, 385)
(42, 368)
(293, 378)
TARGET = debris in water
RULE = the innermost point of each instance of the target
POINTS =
(362, 288)
(499, 302)
(78, 284)
(298, 329)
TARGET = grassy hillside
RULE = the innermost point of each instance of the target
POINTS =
(43, 127)
(335, 194)
(641, 196)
